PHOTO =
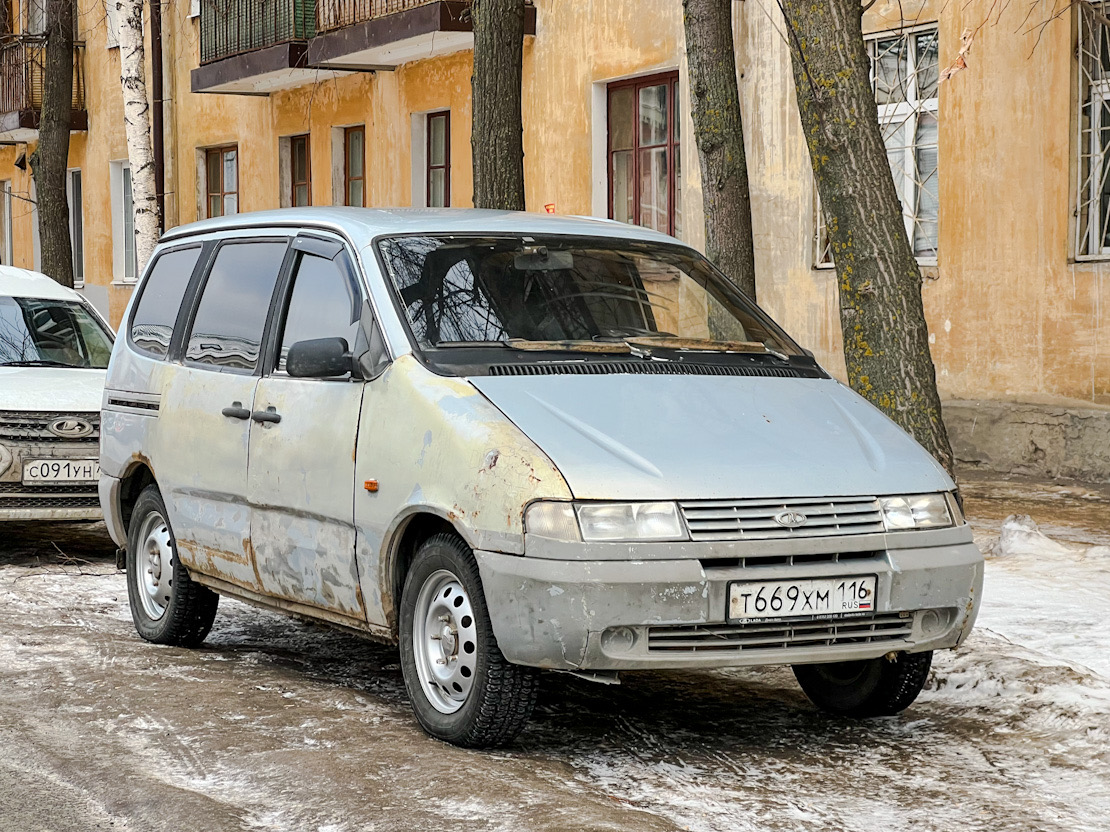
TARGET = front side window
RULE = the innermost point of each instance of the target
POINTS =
(222, 181)
(37, 332)
(324, 304)
(572, 294)
(439, 160)
(354, 164)
(904, 77)
(645, 175)
(156, 313)
(1092, 206)
(227, 330)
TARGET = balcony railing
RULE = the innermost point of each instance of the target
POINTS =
(22, 61)
(335, 14)
(232, 27)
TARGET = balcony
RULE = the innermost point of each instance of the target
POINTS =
(381, 34)
(22, 59)
(254, 47)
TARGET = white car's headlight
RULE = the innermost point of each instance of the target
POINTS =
(916, 511)
(605, 522)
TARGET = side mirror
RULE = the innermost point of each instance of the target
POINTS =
(319, 358)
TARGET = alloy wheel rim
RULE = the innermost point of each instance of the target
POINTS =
(154, 566)
(445, 641)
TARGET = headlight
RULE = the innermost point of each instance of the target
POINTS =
(916, 511)
(605, 522)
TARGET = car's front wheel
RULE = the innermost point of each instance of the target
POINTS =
(874, 687)
(461, 687)
(167, 606)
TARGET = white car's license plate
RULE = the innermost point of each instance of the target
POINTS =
(806, 597)
(61, 470)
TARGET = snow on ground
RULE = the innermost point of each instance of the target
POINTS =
(283, 726)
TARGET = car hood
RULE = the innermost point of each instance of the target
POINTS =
(53, 389)
(690, 437)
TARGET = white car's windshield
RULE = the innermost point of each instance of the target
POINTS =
(576, 294)
(38, 332)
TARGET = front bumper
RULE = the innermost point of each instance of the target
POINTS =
(45, 501)
(660, 613)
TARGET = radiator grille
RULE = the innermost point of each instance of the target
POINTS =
(60, 495)
(778, 635)
(34, 426)
(755, 519)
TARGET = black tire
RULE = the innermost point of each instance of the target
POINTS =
(187, 608)
(501, 695)
(874, 687)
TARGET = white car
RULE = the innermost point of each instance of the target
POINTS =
(54, 350)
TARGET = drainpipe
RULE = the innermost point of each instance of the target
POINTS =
(156, 117)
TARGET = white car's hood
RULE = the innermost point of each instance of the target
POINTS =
(54, 389)
(645, 437)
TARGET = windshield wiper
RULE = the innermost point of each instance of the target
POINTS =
(37, 362)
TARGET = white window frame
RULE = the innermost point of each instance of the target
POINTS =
(121, 223)
(111, 24)
(78, 279)
(8, 251)
(904, 113)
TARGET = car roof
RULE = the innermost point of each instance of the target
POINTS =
(23, 283)
(361, 225)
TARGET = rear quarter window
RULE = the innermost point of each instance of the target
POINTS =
(155, 314)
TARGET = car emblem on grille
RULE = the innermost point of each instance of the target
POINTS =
(70, 428)
(790, 519)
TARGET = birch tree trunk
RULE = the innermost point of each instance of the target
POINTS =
(50, 160)
(719, 134)
(497, 131)
(136, 119)
(886, 340)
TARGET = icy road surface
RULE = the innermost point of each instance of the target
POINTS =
(276, 725)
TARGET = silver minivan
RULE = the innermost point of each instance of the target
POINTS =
(514, 442)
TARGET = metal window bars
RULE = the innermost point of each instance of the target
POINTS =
(904, 77)
(1092, 192)
(22, 73)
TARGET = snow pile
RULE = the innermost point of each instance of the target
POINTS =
(1020, 535)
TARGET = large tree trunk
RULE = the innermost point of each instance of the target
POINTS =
(50, 160)
(719, 133)
(136, 121)
(886, 340)
(497, 133)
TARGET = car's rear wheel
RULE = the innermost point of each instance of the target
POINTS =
(461, 687)
(167, 606)
(874, 687)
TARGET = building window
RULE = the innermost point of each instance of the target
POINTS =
(644, 164)
(7, 255)
(130, 266)
(76, 225)
(124, 266)
(904, 77)
(221, 166)
(1092, 206)
(111, 23)
(300, 171)
(354, 166)
(439, 159)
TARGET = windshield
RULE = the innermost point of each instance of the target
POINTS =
(582, 294)
(36, 332)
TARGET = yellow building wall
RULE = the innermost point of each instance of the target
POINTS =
(1011, 315)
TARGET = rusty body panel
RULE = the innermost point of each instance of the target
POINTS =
(437, 446)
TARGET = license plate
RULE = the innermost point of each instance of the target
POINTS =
(61, 470)
(807, 597)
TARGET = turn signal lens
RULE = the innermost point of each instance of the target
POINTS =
(917, 511)
(554, 520)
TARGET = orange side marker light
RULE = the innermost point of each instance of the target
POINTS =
(370, 485)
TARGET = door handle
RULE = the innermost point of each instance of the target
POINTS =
(236, 411)
(268, 415)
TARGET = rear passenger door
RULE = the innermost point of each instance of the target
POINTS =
(301, 472)
(206, 409)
